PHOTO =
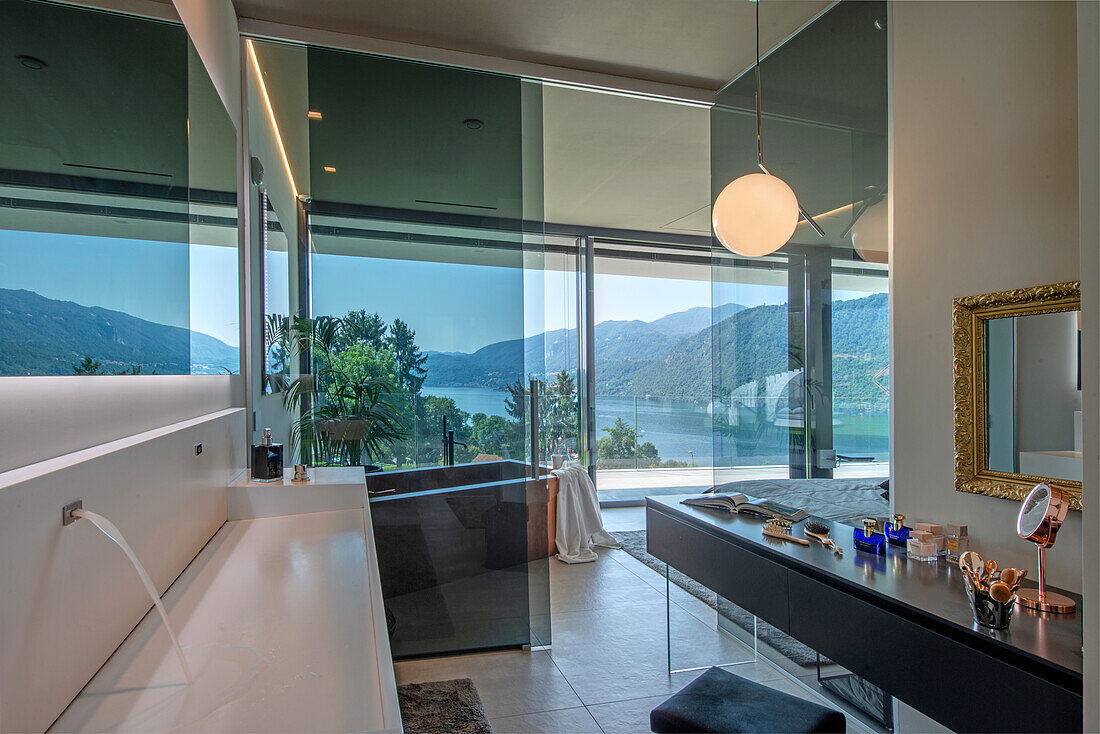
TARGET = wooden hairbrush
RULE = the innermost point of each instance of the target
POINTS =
(780, 529)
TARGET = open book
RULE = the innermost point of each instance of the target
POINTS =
(741, 503)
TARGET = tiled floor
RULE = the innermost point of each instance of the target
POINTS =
(607, 666)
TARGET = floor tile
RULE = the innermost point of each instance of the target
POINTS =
(562, 721)
(509, 683)
(626, 717)
(616, 654)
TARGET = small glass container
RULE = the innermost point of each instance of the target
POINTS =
(896, 533)
(867, 540)
(922, 550)
(956, 541)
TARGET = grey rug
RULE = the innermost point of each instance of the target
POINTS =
(442, 707)
(633, 542)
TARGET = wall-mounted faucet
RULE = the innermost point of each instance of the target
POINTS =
(449, 444)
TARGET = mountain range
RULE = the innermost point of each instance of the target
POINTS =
(45, 336)
(671, 357)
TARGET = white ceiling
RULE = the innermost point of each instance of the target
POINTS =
(625, 162)
(694, 43)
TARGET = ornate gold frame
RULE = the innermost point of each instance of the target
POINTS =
(969, 334)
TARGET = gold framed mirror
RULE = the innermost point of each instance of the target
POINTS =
(1017, 391)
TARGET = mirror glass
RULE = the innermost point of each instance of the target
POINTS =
(276, 285)
(1033, 511)
(118, 214)
(1033, 395)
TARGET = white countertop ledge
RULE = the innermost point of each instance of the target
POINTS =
(282, 624)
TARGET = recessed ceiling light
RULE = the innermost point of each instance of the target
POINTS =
(472, 123)
(313, 115)
(330, 169)
(31, 62)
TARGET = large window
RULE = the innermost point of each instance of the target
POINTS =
(118, 240)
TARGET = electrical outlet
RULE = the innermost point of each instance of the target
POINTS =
(198, 449)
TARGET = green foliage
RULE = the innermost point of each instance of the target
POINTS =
(346, 412)
(620, 444)
(87, 366)
(401, 341)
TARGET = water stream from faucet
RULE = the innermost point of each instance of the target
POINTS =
(108, 528)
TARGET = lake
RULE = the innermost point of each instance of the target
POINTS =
(681, 429)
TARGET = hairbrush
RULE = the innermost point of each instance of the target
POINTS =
(819, 531)
(780, 529)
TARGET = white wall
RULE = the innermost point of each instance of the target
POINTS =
(1088, 141)
(69, 596)
(212, 27)
(984, 194)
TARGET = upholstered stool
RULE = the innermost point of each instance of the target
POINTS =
(719, 701)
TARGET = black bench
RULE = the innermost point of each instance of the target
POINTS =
(719, 701)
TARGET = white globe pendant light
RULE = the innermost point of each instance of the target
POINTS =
(757, 213)
(870, 234)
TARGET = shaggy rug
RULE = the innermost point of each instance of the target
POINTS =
(633, 542)
(442, 707)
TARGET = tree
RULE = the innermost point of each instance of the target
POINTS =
(364, 327)
(622, 443)
(410, 360)
(516, 402)
(87, 366)
(559, 414)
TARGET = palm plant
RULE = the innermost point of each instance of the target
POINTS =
(342, 418)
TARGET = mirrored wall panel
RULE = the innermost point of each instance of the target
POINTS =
(118, 239)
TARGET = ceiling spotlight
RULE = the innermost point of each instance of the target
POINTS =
(472, 123)
(313, 115)
(31, 62)
(330, 169)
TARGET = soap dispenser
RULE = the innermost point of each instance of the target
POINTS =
(267, 460)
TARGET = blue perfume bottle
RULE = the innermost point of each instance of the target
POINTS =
(896, 533)
(867, 540)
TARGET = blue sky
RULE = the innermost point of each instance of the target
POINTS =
(167, 282)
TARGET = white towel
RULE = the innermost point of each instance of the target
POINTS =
(579, 523)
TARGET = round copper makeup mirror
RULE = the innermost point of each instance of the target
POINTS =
(1041, 514)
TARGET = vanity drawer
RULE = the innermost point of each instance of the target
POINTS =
(953, 683)
(745, 578)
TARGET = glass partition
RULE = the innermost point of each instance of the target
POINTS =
(118, 244)
(801, 368)
(408, 198)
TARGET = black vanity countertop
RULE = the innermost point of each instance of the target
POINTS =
(931, 593)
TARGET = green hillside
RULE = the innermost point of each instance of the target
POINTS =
(635, 358)
(44, 336)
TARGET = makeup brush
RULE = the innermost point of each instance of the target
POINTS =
(1010, 576)
(999, 591)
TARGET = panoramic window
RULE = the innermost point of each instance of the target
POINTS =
(118, 240)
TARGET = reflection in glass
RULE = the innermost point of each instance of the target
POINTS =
(118, 239)
(1033, 413)
(276, 284)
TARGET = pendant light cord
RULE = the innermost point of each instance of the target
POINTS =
(760, 123)
(759, 100)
